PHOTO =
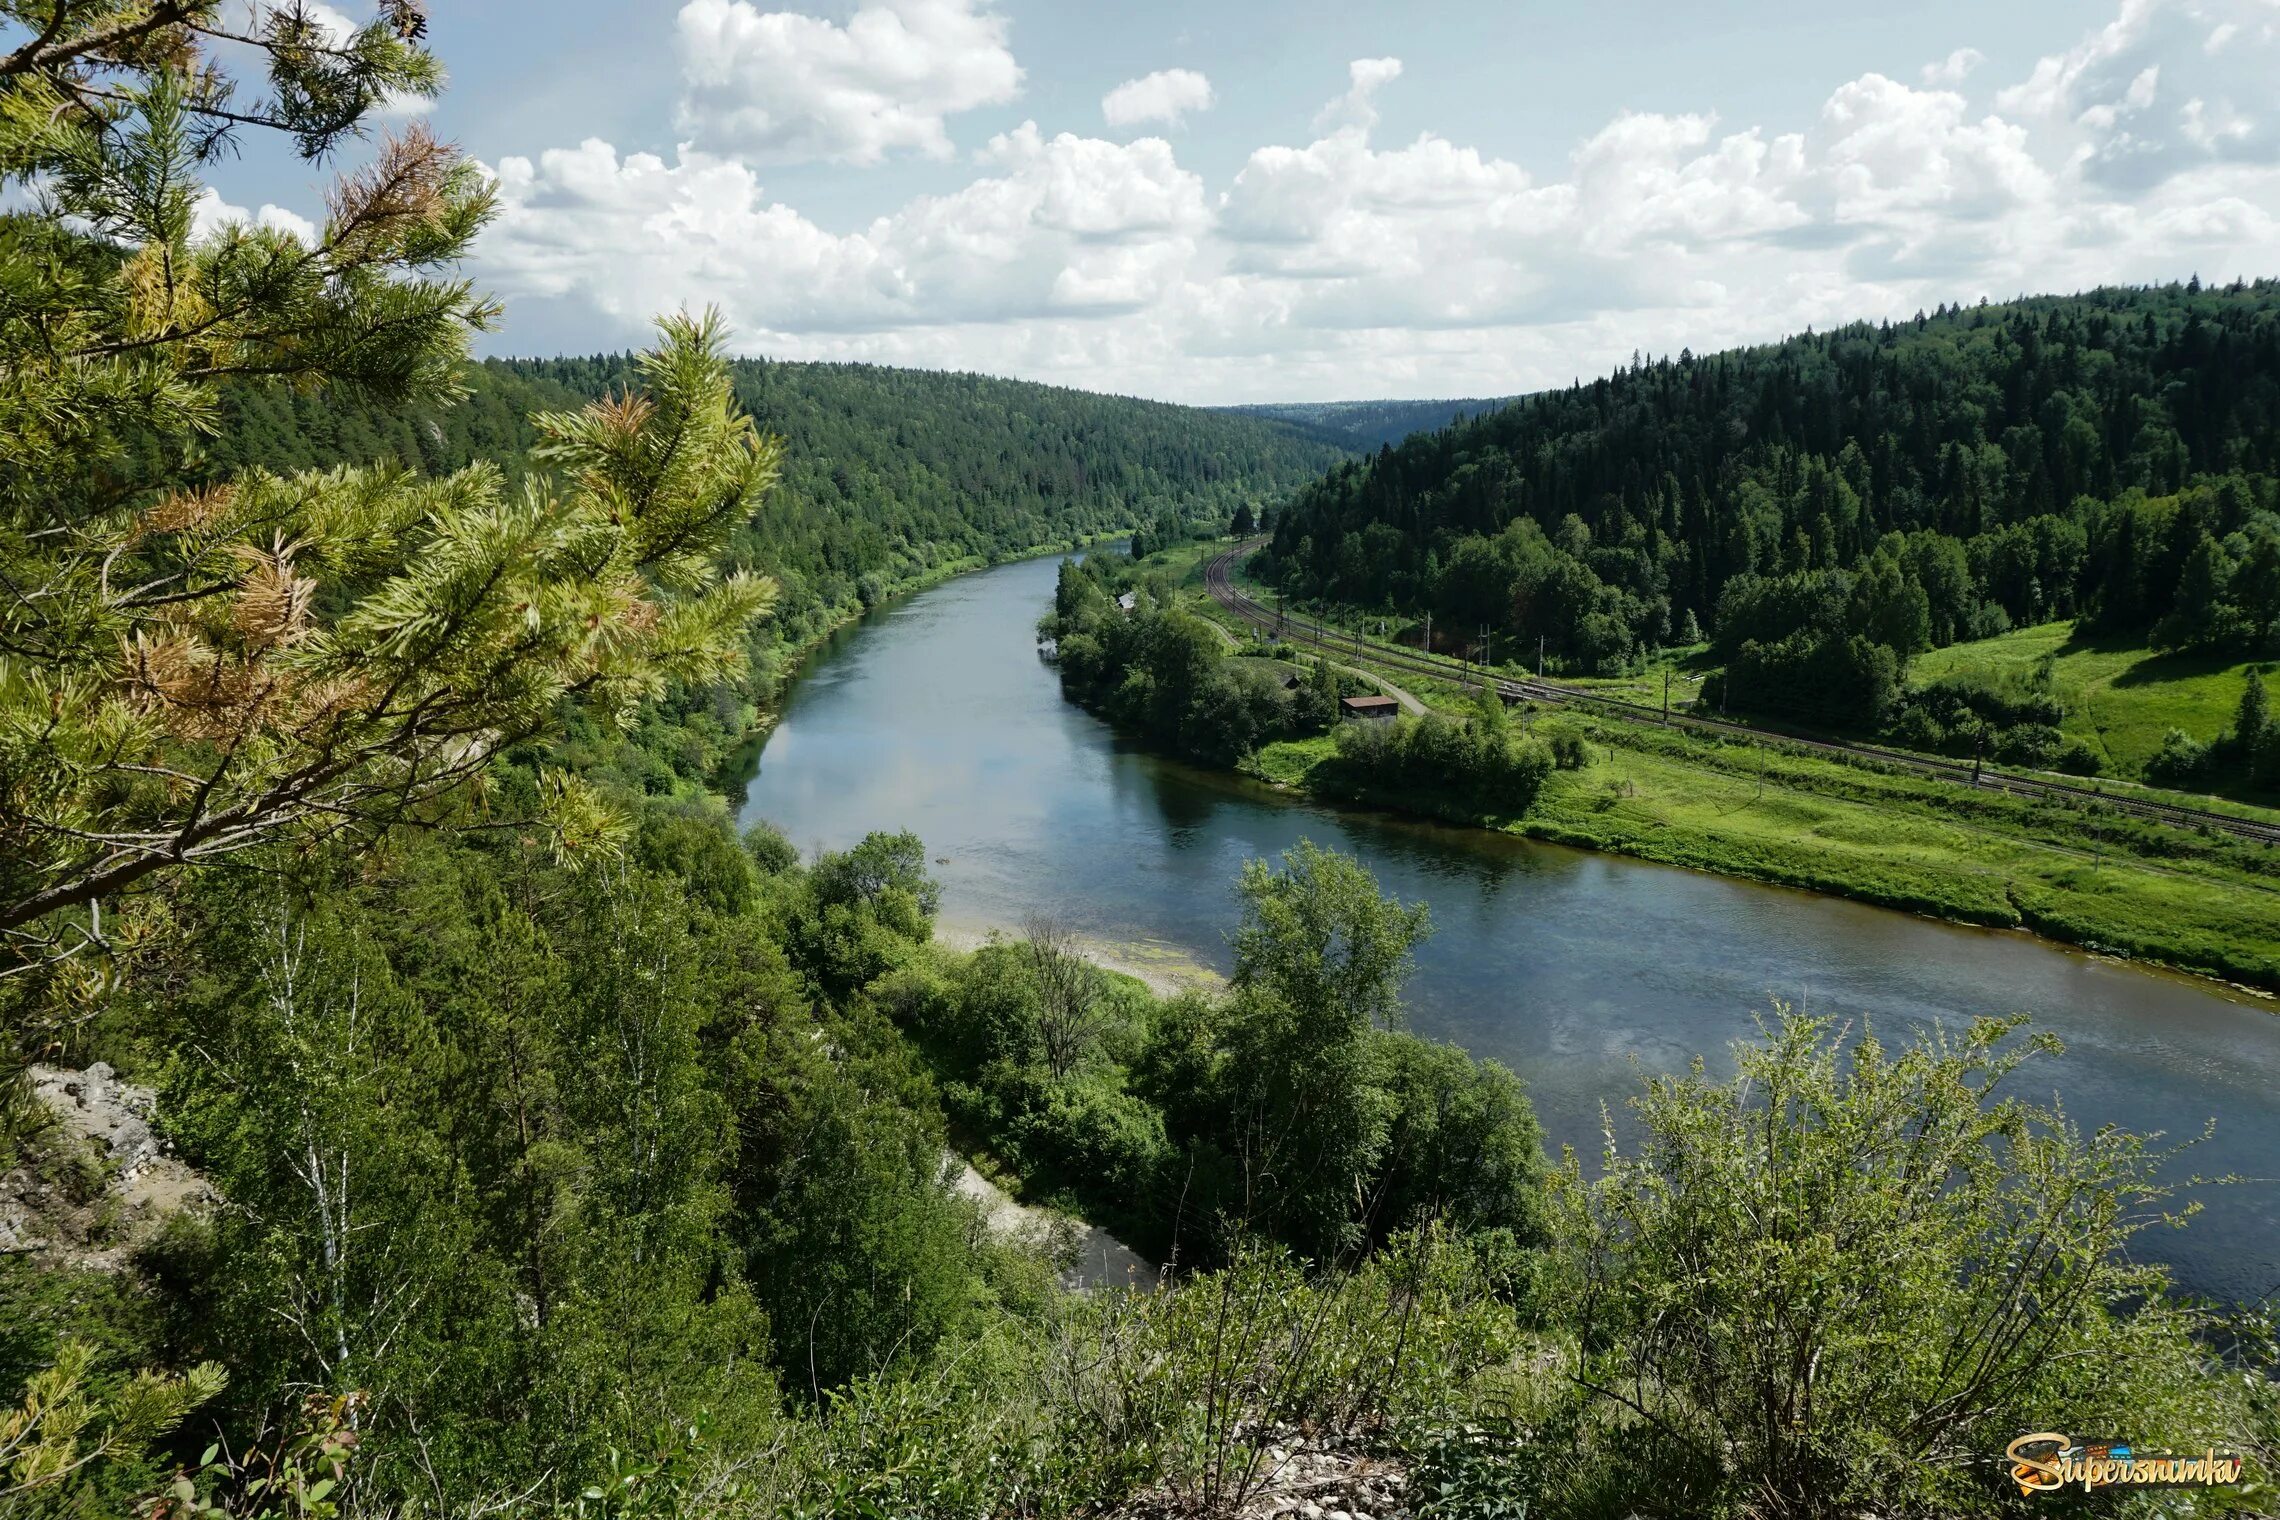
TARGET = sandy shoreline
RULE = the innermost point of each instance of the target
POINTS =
(1166, 971)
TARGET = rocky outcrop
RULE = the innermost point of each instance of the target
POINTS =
(1319, 1478)
(1090, 1257)
(98, 1183)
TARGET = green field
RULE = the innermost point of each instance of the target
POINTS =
(2120, 696)
(2200, 903)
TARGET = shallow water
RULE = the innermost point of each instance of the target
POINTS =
(1580, 971)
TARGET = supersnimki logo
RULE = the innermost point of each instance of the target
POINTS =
(2048, 1462)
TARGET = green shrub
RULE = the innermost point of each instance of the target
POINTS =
(2182, 760)
(1846, 1277)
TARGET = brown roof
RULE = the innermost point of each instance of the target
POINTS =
(1367, 704)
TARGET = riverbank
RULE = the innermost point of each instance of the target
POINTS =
(1578, 969)
(1979, 859)
(1164, 970)
(2203, 903)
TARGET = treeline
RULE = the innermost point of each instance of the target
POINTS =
(1890, 488)
(2246, 755)
(1166, 674)
(1167, 1119)
(888, 474)
(1365, 425)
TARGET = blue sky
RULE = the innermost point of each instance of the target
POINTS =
(1260, 201)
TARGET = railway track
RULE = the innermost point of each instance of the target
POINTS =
(1221, 585)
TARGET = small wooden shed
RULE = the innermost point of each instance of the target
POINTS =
(1373, 709)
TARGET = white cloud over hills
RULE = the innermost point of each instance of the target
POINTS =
(2147, 148)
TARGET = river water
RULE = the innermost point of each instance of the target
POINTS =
(1579, 971)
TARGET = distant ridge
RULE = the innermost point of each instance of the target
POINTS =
(1367, 425)
(889, 474)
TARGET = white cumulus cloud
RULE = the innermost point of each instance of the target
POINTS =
(211, 214)
(1066, 224)
(1343, 265)
(1356, 110)
(1953, 69)
(1168, 95)
(772, 86)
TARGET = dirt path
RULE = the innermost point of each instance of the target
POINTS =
(1095, 1258)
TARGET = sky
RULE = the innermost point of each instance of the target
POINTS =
(1265, 200)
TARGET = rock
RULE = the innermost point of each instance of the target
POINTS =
(123, 1189)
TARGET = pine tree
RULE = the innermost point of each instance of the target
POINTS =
(192, 664)
(2255, 737)
(2201, 615)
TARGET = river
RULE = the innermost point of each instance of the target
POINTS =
(1580, 971)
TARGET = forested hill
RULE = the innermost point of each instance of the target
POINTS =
(1816, 501)
(1366, 425)
(888, 473)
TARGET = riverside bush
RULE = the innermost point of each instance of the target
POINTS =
(1848, 1276)
(1474, 760)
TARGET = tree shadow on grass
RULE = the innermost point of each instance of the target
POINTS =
(2187, 665)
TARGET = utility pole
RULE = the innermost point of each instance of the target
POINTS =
(1666, 696)
(1539, 657)
(1489, 633)
(1978, 749)
(1428, 633)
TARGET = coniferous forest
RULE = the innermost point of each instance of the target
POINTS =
(888, 474)
(418, 1097)
(1823, 508)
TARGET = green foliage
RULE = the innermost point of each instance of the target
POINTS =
(176, 688)
(465, 617)
(2107, 455)
(1317, 938)
(1166, 674)
(64, 1425)
(861, 912)
(291, 1474)
(1294, 1108)
(2244, 757)
(1476, 762)
(1845, 1276)
(2114, 695)
(1475, 1472)
(890, 477)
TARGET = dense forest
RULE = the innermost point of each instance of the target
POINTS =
(1366, 425)
(418, 1098)
(888, 475)
(1823, 508)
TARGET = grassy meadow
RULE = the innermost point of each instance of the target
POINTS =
(2207, 904)
(2120, 696)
